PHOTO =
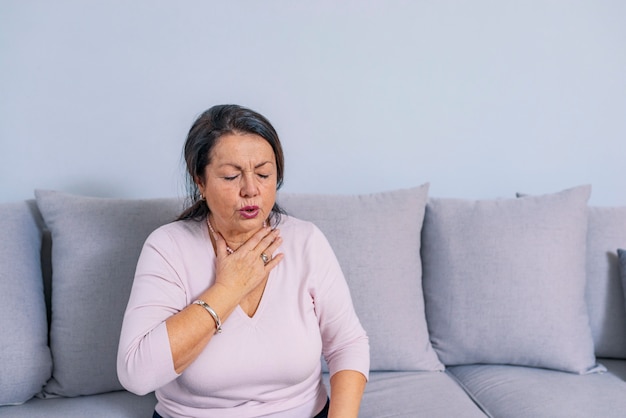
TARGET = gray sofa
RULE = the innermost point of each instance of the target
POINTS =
(505, 308)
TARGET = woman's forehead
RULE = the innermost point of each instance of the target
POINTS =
(242, 149)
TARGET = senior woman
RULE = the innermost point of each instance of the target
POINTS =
(234, 303)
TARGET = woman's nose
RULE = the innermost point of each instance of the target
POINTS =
(248, 186)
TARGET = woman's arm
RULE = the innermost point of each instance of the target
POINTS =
(345, 342)
(162, 333)
(191, 329)
(346, 391)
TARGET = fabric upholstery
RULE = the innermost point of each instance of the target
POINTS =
(615, 366)
(95, 246)
(120, 404)
(25, 363)
(512, 391)
(622, 267)
(376, 238)
(605, 299)
(515, 269)
(416, 394)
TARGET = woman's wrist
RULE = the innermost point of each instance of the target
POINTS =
(221, 299)
(211, 311)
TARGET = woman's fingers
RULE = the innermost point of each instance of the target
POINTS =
(271, 244)
(265, 241)
(251, 262)
(273, 262)
(261, 239)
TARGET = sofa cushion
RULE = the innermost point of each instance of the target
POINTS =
(376, 239)
(120, 404)
(25, 363)
(415, 394)
(95, 246)
(615, 366)
(513, 391)
(504, 280)
(605, 299)
(606, 230)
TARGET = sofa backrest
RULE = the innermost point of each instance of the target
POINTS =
(25, 361)
(605, 294)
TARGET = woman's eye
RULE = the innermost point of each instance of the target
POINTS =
(230, 178)
(264, 176)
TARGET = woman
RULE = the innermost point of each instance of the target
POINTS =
(233, 304)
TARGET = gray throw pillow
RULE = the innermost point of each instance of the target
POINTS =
(95, 246)
(376, 238)
(606, 230)
(504, 281)
(25, 363)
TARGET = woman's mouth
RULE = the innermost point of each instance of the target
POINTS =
(249, 212)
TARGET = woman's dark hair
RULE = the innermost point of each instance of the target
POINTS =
(205, 132)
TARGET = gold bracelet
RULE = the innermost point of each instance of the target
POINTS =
(216, 318)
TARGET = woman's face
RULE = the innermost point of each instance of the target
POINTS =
(240, 185)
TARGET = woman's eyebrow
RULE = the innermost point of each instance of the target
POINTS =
(238, 167)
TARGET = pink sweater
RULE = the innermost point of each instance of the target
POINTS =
(265, 365)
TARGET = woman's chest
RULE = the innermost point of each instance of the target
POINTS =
(277, 347)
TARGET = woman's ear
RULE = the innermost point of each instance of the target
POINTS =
(199, 182)
(200, 185)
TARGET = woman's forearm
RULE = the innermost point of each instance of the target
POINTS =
(346, 391)
(191, 329)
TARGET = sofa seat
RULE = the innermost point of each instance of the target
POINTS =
(516, 392)
(415, 394)
(120, 404)
(615, 366)
(429, 394)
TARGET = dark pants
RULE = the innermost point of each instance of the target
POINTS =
(323, 413)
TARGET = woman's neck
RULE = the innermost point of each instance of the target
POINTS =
(233, 240)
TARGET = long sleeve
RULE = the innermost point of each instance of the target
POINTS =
(144, 360)
(345, 342)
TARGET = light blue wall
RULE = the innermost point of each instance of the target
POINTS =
(479, 98)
